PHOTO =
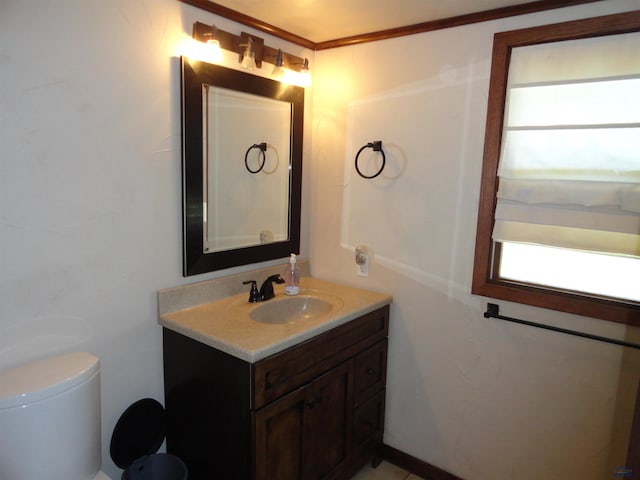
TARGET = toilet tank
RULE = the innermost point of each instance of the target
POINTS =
(50, 419)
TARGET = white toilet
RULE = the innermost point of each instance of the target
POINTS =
(50, 420)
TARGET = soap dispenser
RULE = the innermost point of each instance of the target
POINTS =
(292, 277)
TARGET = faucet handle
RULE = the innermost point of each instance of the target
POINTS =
(254, 295)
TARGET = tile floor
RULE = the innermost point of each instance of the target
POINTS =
(385, 471)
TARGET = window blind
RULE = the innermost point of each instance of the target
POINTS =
(569, 172)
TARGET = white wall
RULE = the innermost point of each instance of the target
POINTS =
(90, 184)
(483, 399)
(90, 227)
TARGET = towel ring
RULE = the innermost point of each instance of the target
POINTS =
(263, 148)
(377, 147)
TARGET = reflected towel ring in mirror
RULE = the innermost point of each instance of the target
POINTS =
(263, 148)
(377, 147)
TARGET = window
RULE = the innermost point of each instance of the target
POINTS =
(559, 215)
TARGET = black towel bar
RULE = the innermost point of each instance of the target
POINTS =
(493, 311)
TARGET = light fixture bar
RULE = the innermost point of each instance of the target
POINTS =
(234, 43)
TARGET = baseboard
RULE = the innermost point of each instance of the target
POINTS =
(417, 467)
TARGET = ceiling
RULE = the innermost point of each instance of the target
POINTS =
(324, 20)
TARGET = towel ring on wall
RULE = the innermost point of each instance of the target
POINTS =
(377, 147)
(263, 148)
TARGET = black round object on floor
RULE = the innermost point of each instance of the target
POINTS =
(160, 466)
(139, 432)
(136, 437)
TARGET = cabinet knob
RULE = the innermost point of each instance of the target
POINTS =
(371, 371)
(317, 398)
(368, 427)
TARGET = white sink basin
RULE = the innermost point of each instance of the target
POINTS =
(289, 310)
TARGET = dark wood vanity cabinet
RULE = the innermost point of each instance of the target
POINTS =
(305, 433)
(312, 412)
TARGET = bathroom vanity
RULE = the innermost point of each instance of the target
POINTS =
(251, 397)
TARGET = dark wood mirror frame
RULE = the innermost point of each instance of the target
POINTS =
(194, 74)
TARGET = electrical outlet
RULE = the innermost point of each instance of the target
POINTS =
(362, 269)
(362, 261)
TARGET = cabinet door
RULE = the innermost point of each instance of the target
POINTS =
(330, 425)
(279, 437)
(306, 435)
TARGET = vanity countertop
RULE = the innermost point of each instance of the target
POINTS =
(225, 324)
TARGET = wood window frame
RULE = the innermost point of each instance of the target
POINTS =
(484, 281)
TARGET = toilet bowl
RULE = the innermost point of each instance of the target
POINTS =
(50, 419)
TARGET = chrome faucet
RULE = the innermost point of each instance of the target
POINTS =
(266, 290)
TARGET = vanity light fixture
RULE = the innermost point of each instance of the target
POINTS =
(252, 51)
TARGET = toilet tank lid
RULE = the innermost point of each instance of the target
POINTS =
(44, 378)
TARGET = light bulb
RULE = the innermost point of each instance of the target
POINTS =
(304, 78)
(278, 72)
(278, 69)
(249, 59)
(214, 52)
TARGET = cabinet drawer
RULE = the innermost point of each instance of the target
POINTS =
(370, 371)
(368, 424)
(285, 371)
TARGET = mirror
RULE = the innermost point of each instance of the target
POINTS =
(246, 202)
(242, 167)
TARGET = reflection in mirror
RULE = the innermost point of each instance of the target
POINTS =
(242, 167)
(246, 185)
